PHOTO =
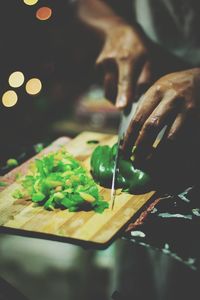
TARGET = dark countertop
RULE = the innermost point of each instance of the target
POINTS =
(173, 227)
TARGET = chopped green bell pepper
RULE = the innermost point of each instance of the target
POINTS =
(58, 180)
(12, 162)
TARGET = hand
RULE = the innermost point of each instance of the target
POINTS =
(126, 64)
(132, 63)
(174, 100)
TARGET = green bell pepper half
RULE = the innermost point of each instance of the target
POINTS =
(128, 178)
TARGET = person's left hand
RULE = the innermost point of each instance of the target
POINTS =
(173, 100)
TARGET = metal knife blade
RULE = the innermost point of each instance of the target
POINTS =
(124, 123)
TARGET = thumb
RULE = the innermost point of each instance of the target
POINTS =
(128, 73)
(124, 86)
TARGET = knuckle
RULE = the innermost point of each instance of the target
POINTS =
(99, 61)
(136, 122)
(155, 91)
(171, 136)
(172, 94)
(129, 55)
(104, 58)
(125, 56)
(109, 56)
(152, 124)
(158, 89)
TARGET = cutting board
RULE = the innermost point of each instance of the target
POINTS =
(25, 218)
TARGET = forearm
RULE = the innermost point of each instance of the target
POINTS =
(98, 15)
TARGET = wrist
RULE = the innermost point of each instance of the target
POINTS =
(109, 25)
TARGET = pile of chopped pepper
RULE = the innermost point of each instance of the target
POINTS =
(58, 180)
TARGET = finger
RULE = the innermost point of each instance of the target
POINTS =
(177, 127)
(164, 114)
(109, 70)
(110, 85)
(128, 73)
(148, 103)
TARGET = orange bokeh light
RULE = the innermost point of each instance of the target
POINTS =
(43, 13)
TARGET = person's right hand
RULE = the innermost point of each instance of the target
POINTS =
(126, 62)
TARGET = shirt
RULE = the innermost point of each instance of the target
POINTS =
(173, 24)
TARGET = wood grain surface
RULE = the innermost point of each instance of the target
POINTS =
(24, 217)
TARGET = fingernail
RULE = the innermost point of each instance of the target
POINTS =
(121, 102)
(133, 149)
(133, 153)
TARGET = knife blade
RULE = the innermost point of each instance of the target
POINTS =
(126, 117)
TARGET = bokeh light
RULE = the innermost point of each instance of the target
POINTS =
(33, 86)
(9, 98)
(16, 79)
(30, 2)
(43, 13)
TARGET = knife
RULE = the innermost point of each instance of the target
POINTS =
(126, 117)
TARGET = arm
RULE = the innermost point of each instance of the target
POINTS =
(98, 15)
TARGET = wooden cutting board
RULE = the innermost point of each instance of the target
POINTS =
(24, 218)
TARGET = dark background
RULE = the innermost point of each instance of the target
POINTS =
(61, 53)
